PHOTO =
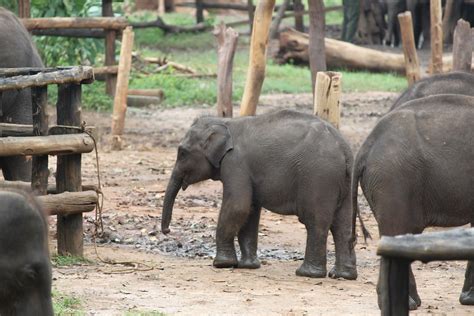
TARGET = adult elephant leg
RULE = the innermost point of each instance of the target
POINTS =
(17, 168)
(248, 240)
(412, 6)
(426, 25)
(341, 230)
(467, 294)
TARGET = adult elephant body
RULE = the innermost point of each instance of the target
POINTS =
(287, 162)
(16, 50)
(416, 170)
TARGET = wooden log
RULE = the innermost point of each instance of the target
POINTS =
(393, 283)
(24, 9)
(79, 33)
(412, 66)
(172, 29)
(46, 145)
(277, 20)
(108, 23)
(7, 129)
(140, 101)
(453, 244)
(462, 46)
(339, 54)
(436, 37)
(68, 172)
(257, 60)
(40, 171)
(105, 70)
(327, 99)
(120, 101)
(26, 186)
(317, 56)
(298, 9)
(110, 36)
(80, 74)
(147, 92)
(69, 203)
(26, 71)
(226, 45)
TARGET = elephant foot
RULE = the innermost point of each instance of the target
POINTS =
(348, 273)
(308, 270)
(221, 261)
(467, 297)
(249, 263)
(413, 304)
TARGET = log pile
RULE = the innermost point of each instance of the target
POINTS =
(293, 47)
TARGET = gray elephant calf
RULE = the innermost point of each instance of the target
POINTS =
(25, 270)
(287, 162)
(416, 170)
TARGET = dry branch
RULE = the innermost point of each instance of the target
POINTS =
(111, 23)
(69, 203)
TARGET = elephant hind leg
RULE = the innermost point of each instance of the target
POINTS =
(467, 294)
(248, 240)
(17, 168)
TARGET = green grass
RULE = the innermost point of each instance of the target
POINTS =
(62, 261)
(66, 305)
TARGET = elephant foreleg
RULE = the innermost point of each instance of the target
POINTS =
(17, 168)
(467, 294)
(248, 240)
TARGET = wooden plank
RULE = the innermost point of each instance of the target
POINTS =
(436, 37)
(40, 171)
(69, 203)
(327, 98)
(46, 145)
(108, 23)
(412, 66)
(317, 46)
(462, 46)
(68, 172)
(120, 101)
(453, 244)
(257, 60)
(80, 74)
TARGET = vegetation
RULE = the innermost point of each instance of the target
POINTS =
(66, 305)
(62, 261)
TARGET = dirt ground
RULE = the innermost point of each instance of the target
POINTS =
(174, 274)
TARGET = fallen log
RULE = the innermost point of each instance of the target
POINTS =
(294, 47)
(147, 92)
(140, 101)
(68, 203)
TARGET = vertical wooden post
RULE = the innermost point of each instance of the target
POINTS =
(226, 46)
(110, 36)
(40, 172)
(298, 8)
(317, 49)
(199, 11)
(462, 46)
(161, 7)
(436, 37)
(24, 9)
(257, 58)
(120, 101)
(327, 100)
(393, 282)
(409, 50)
(251, 12)
(68, 172)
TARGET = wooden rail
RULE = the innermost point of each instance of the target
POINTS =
(107, 23)
(69, 203)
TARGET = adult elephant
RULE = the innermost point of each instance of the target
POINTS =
(420, 12)
(16, 50)
(416, 170)
(287, 162)
(393, 8)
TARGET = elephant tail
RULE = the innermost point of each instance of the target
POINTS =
(356, 174)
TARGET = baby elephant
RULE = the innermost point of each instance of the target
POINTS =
(287, 162)
(25, 270)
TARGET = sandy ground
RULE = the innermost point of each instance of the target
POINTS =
(174, 274)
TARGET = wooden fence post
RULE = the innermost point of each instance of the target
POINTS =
(40, 172)
(120, 101)
(436, 37)
(110, 36)
(462, 46)
(24, 9)
(317, 48)
(327, 100)
(298, 8)
(412, 65)
(226, 45)
(68, 173)
(257, 58)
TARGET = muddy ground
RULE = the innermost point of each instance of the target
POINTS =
(174, 274)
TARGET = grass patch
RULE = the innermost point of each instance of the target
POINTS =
(66, 305)
(64, 261)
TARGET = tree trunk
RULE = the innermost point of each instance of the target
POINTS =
(317, 56)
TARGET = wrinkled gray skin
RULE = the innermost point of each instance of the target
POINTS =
(461, 83)
(393, 8)
(16, 50)
(416, 170)
(25, 270)
(287, 162)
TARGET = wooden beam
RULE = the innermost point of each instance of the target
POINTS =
(69, 203)
(46, 145)
(412, 66)
(462, 46)
(317, 55)
(80, 74)
(120, 101)
(436, 37)
(109, 23)
(226, 45)
(105, 70)
(327, 100)
(80, 33)
(7, 129)
(257, 60)
(26, 186)
(40, 171)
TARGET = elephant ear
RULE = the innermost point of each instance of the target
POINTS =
(218, 142)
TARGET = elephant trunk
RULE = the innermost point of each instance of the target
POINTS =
(171, 191)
